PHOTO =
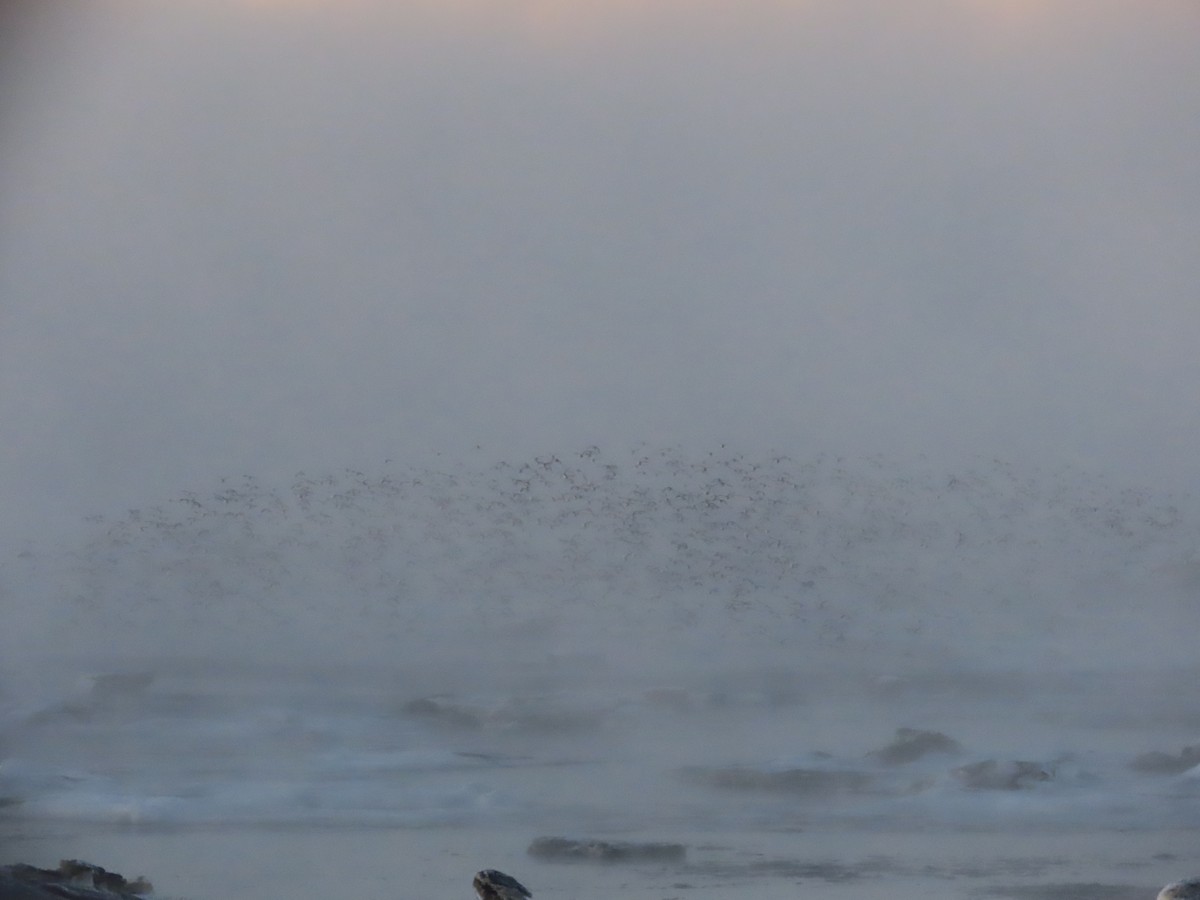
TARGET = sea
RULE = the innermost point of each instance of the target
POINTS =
(695, 678)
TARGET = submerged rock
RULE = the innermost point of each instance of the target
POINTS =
(813, 782)
(100, 697)
(111, 685)
(910, 744)
(606, 851)
(674, 699)
(994, 775)
(535, 714)
(72, 880)
(442, 711)
(547, 715)
(1158, 763)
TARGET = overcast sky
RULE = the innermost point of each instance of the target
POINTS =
(261, 236)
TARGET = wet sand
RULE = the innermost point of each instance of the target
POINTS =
(382, 864)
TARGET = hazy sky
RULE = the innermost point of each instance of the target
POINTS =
(255, 237)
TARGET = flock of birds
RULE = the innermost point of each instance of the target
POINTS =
(74, 880)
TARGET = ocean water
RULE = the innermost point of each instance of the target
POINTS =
(272, 742)
(767, 778)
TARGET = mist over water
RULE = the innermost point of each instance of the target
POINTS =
(264, 238)
(462, 423)
(649, 642)
(654, 560)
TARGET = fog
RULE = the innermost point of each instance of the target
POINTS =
(602, 418)
(250, 238)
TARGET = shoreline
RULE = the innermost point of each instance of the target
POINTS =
(380, 864)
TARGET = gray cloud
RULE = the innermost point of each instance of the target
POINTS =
(259, 239)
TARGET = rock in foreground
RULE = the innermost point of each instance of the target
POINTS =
(72, 880)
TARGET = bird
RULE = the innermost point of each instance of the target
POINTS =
(1187, 889)
(491, 884)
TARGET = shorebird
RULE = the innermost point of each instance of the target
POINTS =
(491, 884)
(1188, 889)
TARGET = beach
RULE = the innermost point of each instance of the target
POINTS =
(380, 864)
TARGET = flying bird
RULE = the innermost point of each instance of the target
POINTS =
(491, 884)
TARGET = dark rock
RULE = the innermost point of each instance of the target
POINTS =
(813, 782)
(119, 684)
(443, 712)
(540, 715)
(546, 715)
(1187, 889)
(562, 848)
(492, 884)
(670, 698)
(910, 744)
(72, 880)
(1157, 763)
(993, 775)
